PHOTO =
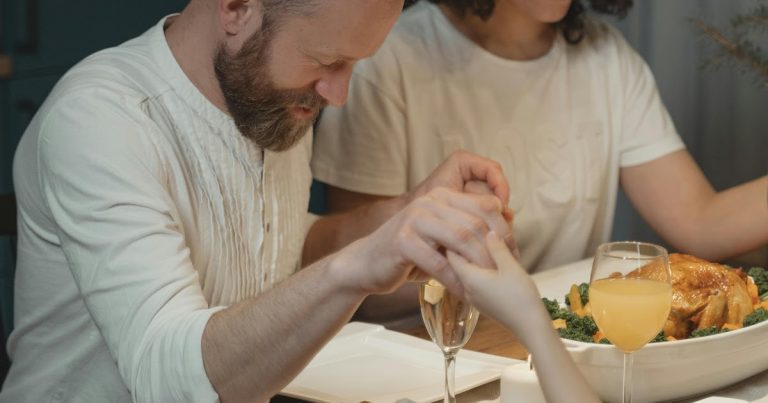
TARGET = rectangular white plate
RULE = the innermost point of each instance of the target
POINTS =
(366, 362)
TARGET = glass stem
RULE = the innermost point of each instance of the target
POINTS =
(450, 377)
(626, 395)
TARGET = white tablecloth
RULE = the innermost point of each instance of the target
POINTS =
(754, 389)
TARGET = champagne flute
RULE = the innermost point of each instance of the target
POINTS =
(630, 293)
(450, 322)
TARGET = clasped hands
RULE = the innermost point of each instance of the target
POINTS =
(453, 210)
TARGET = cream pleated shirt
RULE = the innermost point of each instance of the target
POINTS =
(142, 210)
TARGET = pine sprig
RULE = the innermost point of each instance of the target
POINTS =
(755, 19)
(736, 47)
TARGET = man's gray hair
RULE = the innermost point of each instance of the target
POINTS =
(280, 8)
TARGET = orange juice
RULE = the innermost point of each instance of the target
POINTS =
(630, 311)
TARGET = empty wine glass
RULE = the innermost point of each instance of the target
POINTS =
(450, 322)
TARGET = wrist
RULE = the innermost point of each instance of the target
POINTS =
(388, 208)
(545, 333)
(527, 321)
(343, 269)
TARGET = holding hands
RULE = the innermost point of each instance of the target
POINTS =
(438, 214)
(507, 293)
(503, 290)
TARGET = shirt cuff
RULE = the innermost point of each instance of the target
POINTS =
(200, 387)
(651, 152)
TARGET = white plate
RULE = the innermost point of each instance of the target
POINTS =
(366, 362)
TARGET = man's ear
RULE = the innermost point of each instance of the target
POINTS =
(235, 15)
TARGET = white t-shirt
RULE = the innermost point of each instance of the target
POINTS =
(142, 210)
(560, 125)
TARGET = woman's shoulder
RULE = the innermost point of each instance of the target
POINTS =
(409, 49)
(599, 35)
(417, 18)
(604, 42)
(417, 30)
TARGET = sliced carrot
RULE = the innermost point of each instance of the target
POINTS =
(575, 299)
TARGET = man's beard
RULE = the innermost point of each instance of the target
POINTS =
(259, 109)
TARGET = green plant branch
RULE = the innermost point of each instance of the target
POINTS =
(755, 20)
(741, 51)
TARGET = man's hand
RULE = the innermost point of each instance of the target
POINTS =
(479, 187)
(461, 168)
(470, 173)
(440, 218)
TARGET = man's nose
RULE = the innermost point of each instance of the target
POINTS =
(334, 86)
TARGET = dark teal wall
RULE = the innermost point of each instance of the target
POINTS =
(44, 38)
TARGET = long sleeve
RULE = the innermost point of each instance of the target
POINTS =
(106, 191)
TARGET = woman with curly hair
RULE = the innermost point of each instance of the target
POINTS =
(559, 99)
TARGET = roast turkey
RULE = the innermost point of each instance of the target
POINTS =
(704, 294)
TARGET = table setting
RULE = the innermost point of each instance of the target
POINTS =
(471, 358)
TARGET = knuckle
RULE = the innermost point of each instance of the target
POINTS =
(489, 204)
(402, 240)
(463, 234)
(460, 153)
(478, 225)
(414, 211)
(436, 263)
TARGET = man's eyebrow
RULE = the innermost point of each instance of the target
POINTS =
(328, 53)
(335, 56)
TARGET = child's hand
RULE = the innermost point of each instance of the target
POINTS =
(510, 296)
(507, 293)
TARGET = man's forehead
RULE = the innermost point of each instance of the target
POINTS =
(346, 29)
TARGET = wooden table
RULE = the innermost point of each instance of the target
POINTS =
(489, 337)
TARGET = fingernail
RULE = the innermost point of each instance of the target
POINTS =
(493, 236)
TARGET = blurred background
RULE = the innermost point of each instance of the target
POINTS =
(722, 115)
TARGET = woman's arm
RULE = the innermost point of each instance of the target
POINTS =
(676, 199)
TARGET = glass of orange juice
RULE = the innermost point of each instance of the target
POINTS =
(630, 293)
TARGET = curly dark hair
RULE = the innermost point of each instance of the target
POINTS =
(572, 25)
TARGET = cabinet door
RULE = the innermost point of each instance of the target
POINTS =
(44, 38)
(20, 98)
(49, 36)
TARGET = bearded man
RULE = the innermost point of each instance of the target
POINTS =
(163, 190)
